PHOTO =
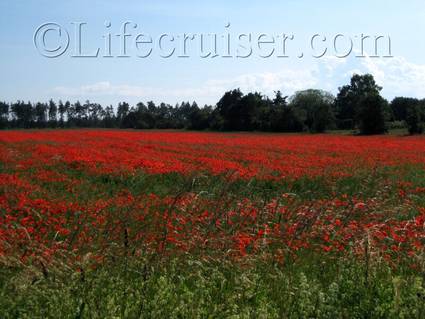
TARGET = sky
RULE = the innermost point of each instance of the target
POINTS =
(27, 35)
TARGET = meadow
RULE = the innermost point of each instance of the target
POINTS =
(170, 224)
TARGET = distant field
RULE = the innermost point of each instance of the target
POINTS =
(163, 224)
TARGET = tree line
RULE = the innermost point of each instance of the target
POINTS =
(357, 106)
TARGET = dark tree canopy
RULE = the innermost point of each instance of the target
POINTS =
(371, 114)
(4, 114)
(414, 119)
(349, 97)
(400, 105)
(316, 109)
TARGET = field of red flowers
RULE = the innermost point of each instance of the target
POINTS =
(86, 196)
(247, 155)
(41, 203)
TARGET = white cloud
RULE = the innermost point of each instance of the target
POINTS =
(103, 88)
(396, 75)
(332, 63)
(288, 80)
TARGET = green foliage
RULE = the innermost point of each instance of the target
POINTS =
(413, 119)
(350, 99)
(195, 288)
(316, 105)
(399, 107)
(239, 112)
(371, 114)
(4, 114)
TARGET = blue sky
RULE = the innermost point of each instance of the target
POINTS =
(28, 75)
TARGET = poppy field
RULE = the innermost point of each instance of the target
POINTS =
(169, 224)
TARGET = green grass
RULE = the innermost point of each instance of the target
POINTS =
(194, 288)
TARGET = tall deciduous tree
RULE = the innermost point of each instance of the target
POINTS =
(53, 113)
(316, 105)
(414, 119)
(347, 103)
(122, 112)
(41, 114)
(371, 114)
(228, 109)
(400, 105)
(4, 114)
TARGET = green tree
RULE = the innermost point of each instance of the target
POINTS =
(41, 114)
(61, 111)
(414, 119)
(23, 114)
(163, 115)
(316, 105)
(145, 118)
(228, 109)
(70, 111)
(108, 117)
(371, 114)
(283, 117)
(122, 112)
(249, 111)
(199, 117)
(399, 106)
(77, 114)
(53, 113)
(4, 114)
(347, 102)
(274, 116)
(95, 114)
